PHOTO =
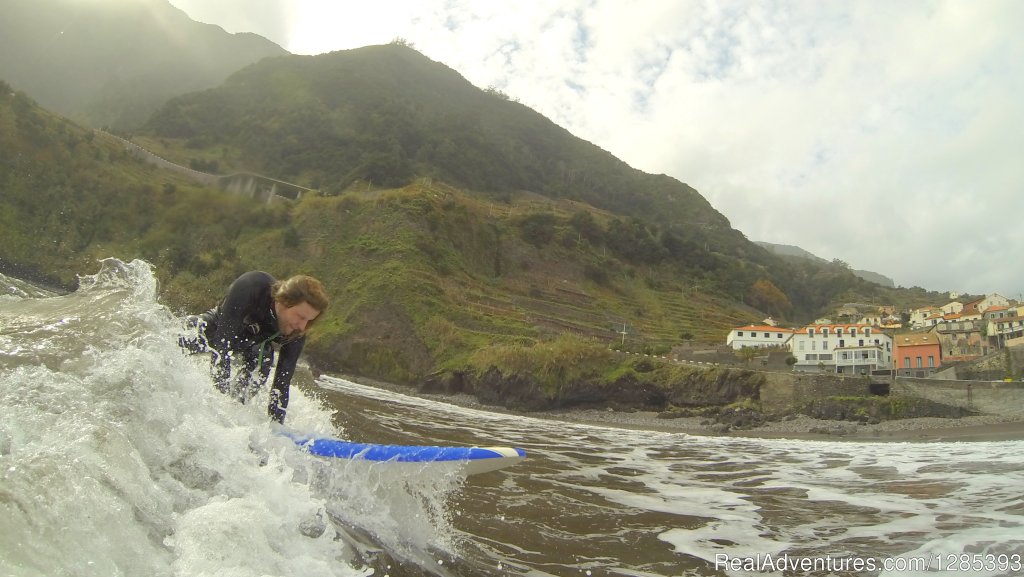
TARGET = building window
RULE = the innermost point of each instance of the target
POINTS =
(824, 345)
(920, 365)
(767, 335)
(779, 335)
(906, 362)
(931, 361)
(738, 333)
(802, 345)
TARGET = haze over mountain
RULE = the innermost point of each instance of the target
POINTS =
(795, 251)
(112, 62)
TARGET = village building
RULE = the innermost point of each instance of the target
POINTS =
(962, 340)
(873, 320)
(758, 337)
(1001, 330)
(925, 317)
(917, 354)
(993, 300)
(939, 336)
(841, 348)
(953, 307)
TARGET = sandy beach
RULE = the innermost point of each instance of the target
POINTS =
(925, 429)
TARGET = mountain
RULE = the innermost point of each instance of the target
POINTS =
(787, 250)
(446, 219)
(113, 62)
(384, 114)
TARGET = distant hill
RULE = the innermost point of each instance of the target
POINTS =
(788, 250)
(113, 62)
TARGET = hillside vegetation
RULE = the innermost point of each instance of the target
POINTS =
(426, 274)
(383, 116)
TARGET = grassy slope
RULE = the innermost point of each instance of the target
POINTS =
(421, 277)
(424, 276)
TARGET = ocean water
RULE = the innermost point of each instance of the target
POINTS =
(117, 457)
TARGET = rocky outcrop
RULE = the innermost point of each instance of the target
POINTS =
(713, 387)
(877, 409)
(632, 391)
(727, 399)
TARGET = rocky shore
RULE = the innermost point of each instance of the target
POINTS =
(802, 427)
(972, 428)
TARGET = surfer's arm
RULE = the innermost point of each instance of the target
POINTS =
(286, 362)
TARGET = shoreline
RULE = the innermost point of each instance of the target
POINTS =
(979, 428)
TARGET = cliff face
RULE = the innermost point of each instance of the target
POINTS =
(633, 391)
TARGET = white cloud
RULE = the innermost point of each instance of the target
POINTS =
(881, 133)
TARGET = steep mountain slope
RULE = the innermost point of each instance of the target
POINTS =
(387, 113)
(381, 116)
(112, 62)
(421, 277)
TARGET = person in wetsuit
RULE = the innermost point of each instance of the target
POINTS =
(258, 315)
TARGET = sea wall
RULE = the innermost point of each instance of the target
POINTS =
(783, 393)
(990, 397)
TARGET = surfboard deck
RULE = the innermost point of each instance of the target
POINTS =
(471, 460)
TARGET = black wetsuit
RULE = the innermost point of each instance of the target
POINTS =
(241, 333)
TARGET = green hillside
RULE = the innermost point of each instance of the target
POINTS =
(383, 116)
(424, 274)
(421, 276)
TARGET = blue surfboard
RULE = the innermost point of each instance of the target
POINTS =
(472, 460)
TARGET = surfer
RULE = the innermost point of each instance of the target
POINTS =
(258, 315)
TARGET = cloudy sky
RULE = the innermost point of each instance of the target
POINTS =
(886, 134)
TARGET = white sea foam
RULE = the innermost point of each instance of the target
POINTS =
(118, 457)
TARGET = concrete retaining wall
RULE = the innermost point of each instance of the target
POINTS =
(991, 397)
(784, 391)
(255, 186)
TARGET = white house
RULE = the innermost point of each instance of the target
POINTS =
(993, 300)
(758, 336)
(841, 348)
(1002, 329)
(925, 317)
(952, 307)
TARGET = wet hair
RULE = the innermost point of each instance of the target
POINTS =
(301, 289)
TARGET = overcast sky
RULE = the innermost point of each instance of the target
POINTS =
(886, 134)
